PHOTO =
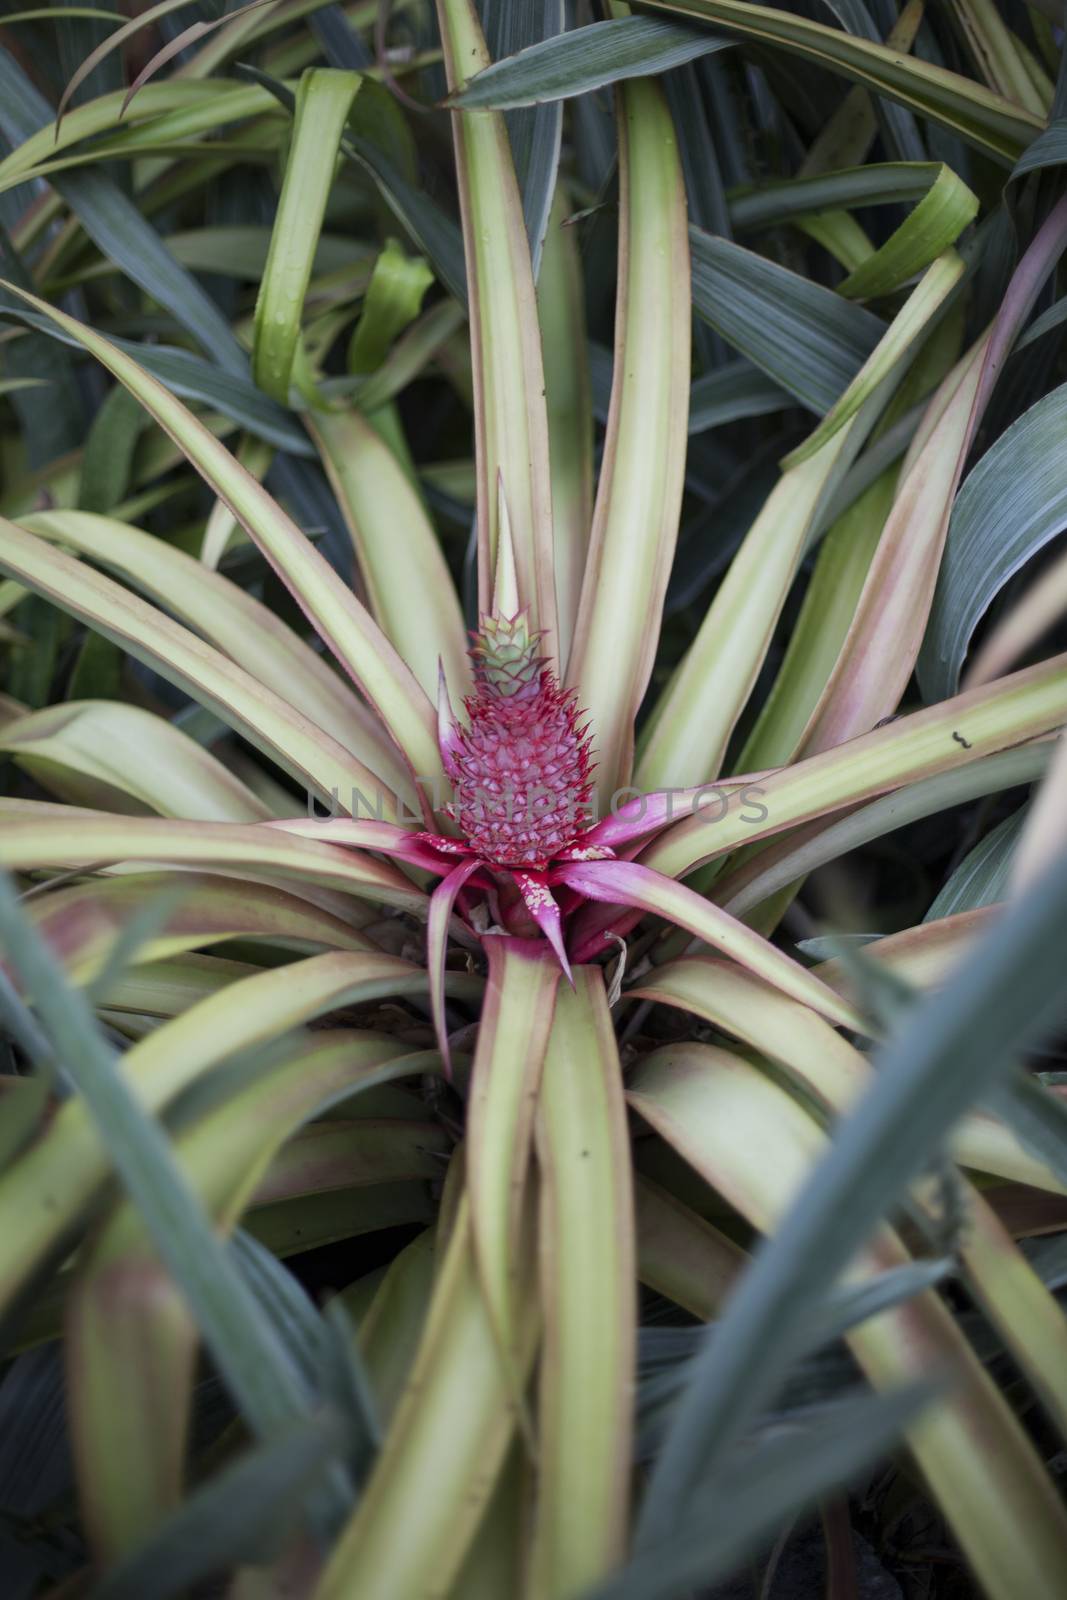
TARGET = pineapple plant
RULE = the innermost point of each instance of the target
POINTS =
(538, 1028)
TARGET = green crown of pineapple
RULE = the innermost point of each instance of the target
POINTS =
(506, 656)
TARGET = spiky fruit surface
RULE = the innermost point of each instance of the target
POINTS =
(523, 764)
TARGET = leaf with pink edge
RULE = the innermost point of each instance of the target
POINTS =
(537, 896)
(414, 848)
(519, 1005)
(441, 841)
(441, 902)
(340, 620)
(447, 732)
(66, 837)
(628, 883)
(647, 813)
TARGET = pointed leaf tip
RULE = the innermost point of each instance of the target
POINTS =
(441, 903)
(447, 730)
(540, 903)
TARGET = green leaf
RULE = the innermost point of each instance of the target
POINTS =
(1037, 1116)
(291, 1227)
(843, 561)
(680, 1254)
(1010, 506)
(234, 395)
(921, 956)
(105, 753)
(72, 1163)
(254, 1368)
(771, 871)
(309, 755)
(705, 696)
(410, 356)
(324, 98)
(948, 1051)
(431, 228)
(193, 378)
(446, 1445)
(1003, 60)
(915, 746)
(112, 43)
(631, 884)
(635, 519)
(826, 1066)
(231, 1518)
(561, 308)
(519, 1004)
(97, 673)
(932, 228)
(32, 840)
(584, 59)
(284, 1300)
(847, 188)
(231, 1153)
(119, 230)
(409, 587)
(25, 1099)
(587, 1256)
(179, 105)
(945, 207)
(391, 1326)
(17, 385)
(1011, 1294)
(766, 1487)
(981, 879)
(84, 923)
(978, 115)
(514, 484)
(733, 391)
(885, 637)
(923, 306)
(237, 624)
(39, 377)
(841, 566)
(1043, 324)
(239, 250)
(1049, 149)
(339, 617)
(804, 337)
(535, 133)
(393, 299)
(762, 1150)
